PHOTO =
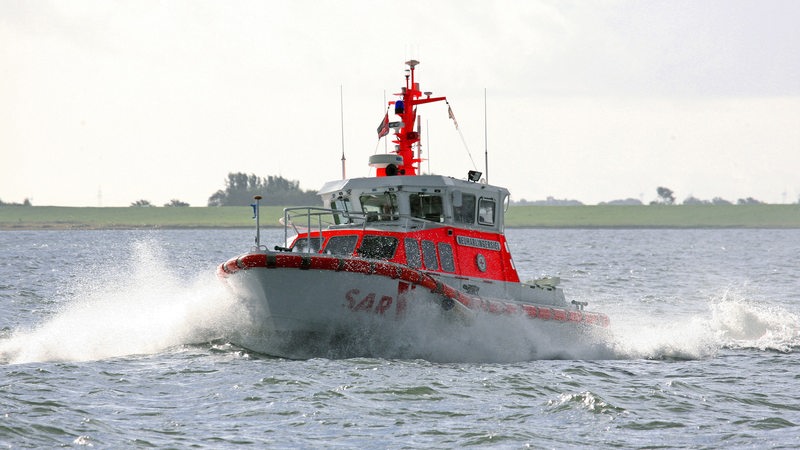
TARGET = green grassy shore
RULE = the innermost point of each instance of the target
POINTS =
(606, 216)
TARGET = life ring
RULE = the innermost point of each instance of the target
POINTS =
(480, 261)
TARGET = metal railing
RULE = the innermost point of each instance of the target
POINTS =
(311, 214)
(313, 219)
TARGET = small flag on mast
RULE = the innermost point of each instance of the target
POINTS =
(450, 114)
(383, 128)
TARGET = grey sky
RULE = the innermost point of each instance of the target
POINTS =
(588, 100)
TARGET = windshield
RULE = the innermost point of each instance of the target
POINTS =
(427, 206)
(379, 206)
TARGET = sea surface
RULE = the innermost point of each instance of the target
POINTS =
(116, 339)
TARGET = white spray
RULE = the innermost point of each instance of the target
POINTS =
(134, 307)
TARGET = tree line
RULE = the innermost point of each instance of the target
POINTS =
(27, 202)
(240, 189)
(665, 197)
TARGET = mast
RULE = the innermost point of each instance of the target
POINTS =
(341, 106)
(407, 135)
(485, 139)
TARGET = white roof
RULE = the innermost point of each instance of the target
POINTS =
(413, 183)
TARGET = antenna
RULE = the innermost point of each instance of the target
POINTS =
(385, 141)
(341, 104)
(485, 140)
(428, 143)
(419, 143)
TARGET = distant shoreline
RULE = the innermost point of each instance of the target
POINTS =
(576, 217)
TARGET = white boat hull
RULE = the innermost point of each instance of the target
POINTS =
(305, 306)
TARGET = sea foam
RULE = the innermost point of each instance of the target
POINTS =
(732, 320)
(120, 307)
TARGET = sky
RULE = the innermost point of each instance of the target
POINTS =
(103, 103)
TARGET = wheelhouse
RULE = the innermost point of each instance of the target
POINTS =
(425, 200)
(438, 224)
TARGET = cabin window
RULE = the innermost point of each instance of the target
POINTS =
(446, 257)
(413, 255)
(378, 247)
(301, 245)
(341, 205)
(427, 206)
(486, 211)
(341, 245)
(429, 255)
(465, 211)
(379, 206)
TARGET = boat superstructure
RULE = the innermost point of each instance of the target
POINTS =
(391, 253)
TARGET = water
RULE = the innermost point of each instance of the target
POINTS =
(112, 339)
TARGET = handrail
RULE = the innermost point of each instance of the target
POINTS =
(353, 219)
(310, 211)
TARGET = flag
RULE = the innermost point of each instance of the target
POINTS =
(450, 114)
(383, 128)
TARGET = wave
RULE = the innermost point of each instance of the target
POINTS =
(121, 308)
(731, 321)
(740, 323)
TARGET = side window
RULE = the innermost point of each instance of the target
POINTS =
(342, 206)
(429, 255)
(427, 206)
(486, 211)
(413, 256)
(341, 245)
(378, 247)
(446, 256)
(466, 212)
(301, 245)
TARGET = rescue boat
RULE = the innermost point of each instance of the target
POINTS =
(395, 264)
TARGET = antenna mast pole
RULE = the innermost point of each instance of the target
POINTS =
(341, 105)
(485, 139)
(385, 141)
(428, 144)
(419, 144)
